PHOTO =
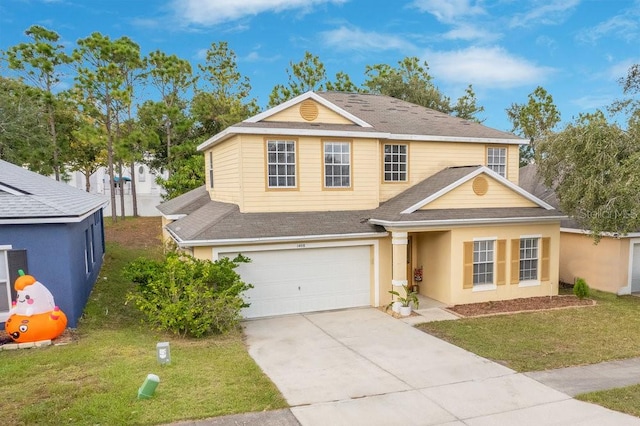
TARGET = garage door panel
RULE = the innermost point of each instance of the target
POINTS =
(305, 280)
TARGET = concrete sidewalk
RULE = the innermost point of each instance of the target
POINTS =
(589, 378)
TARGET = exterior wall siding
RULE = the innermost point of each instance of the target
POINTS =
(56, 258)
(604, 266)
(309, 194)
(325, 115)
(463, 197)
(227, 169)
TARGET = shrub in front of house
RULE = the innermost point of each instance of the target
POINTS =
(188, 296)
(581, 289)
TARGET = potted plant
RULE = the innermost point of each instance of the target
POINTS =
(406, 302)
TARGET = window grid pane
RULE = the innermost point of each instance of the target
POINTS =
(483, 262)
(281, 164)
(337, 165)
(497, 160)
(528, 259)
(395, 163)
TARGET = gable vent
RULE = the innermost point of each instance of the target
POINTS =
(480, 185)
(309, 110)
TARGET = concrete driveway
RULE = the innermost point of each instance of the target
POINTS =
(363, 367)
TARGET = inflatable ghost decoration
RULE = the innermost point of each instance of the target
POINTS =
(34, 315)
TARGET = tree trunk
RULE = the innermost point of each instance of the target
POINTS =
(134, 194)
(87, 175)
(121, 185)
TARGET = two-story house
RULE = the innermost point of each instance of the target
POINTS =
(339, 197)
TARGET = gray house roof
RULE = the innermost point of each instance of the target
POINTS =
(532, 182)
(27, 197)
(223, 223)
(375, 116)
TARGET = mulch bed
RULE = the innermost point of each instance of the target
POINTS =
(67, 336)
(528, 304)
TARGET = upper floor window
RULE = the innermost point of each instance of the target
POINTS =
(210, 169)
(497, 160)
(281, 164)
(337, 164)
(483, 262)
(528, 259)
(395, 163)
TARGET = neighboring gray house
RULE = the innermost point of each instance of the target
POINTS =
(53, 232)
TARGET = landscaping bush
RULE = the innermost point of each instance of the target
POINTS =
(188, 296)
(581, 289)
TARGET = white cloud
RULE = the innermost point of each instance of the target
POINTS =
(545, 13)
(471, 32)
(448, 11)
(345, 38)
(485, 67)
(212, 12)
(624, 27)
(591, 102)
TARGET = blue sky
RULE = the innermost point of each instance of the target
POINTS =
(575, 49)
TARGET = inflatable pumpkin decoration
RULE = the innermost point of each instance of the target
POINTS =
(34, 315)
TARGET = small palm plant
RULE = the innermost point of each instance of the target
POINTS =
(411, 297)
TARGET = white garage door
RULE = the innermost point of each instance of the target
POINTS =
(305, 280)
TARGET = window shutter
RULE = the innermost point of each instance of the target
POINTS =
(502, 262)
(515, 261)
(545, 259)
(467, 275)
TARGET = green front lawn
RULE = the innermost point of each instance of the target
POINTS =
(95, 378)
(552, 339)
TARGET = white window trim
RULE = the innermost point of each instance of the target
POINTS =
(487, 286)
(406, 164)
(3, 249)
(295, 164)
(324, 163)
(536, 282)
(506, 160)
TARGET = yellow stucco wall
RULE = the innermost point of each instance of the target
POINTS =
(434, 255)
(464, 197)
(604, 266)
(441, 254)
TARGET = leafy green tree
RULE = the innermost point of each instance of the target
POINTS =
(188, 174)
(88, 150)
(309, 74)
(467, 106)
(224, 99)
(101, 88)
(41, 61)
(172, 77)
(23, 121)
(593, 165)
(410, 81)
(534, 121)
(342, 83)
